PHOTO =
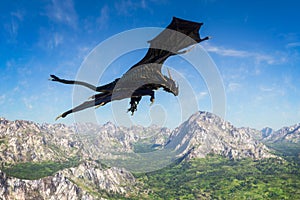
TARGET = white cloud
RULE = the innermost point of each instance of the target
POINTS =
(62, 12)
(12, 27)
(293, 45)
(266, 89)
(124, 7)
(232, 87)
(55, 40)
(28, 103)
(258, 57)
(226, 52)
(10, 64)
(2, 98)
(271, 91)
(103, 18)
(83, 52)
(18, 14)
(31, 101)
(201, 95)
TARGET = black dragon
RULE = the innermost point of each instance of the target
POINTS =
(143, 78)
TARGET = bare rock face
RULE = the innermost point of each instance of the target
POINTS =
(265, 132)
(204, 133)
(53, 187)
(73, 183)
(93, 176)
(24, 141)
(103, 141)
(285, 134)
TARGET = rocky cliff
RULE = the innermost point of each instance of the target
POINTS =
(23, 141)
(206, 133)
(285, 134)
(86, 181)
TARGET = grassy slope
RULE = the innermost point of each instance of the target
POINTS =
(35, 170)
(219, 178)
(290, 151)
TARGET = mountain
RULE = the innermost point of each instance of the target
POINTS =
(73, 183)
(56, 161)
(25, 141)
(205, 133)
(284, 142)
(266, 132)
(286, 134)
(109, 140)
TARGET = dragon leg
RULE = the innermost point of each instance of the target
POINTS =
(133, 104)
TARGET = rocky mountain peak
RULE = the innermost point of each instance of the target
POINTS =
(204, 133)
(287, 134)
(109, 125)
(266, 131)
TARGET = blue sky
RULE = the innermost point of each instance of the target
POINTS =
(255, 46)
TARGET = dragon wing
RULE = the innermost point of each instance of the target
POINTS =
(178, 35)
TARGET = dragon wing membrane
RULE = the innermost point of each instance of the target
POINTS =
(178, 35)
(143, 78)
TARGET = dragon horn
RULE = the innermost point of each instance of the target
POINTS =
(169, 74)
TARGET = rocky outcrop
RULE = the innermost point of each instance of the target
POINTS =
(25, 141)
(285, 134)
(109, 139)
(205, 133)
(265, 132)
(87, 181)
(53, 187)
(96, 178)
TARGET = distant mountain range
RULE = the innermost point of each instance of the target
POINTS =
(285, 134)
(84, 161)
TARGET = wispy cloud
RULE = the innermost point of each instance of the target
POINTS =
(62, 12)
(2, 98)
(102, 20)
(12, 27)
(293, 45)
(271, 91)
(226, 52)
(55, 40)
(232, 87)
(201, 95)
(258, 57)
(30, 101)
(125, 7)
(266, 89)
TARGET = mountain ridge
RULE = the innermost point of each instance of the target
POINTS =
(24, 141)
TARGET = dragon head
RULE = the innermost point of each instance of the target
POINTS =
(170, 85)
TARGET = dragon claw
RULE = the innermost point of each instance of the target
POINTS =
(132, 109)
(152, 101)
(53, 78)
(60, 116)
(101, 104)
